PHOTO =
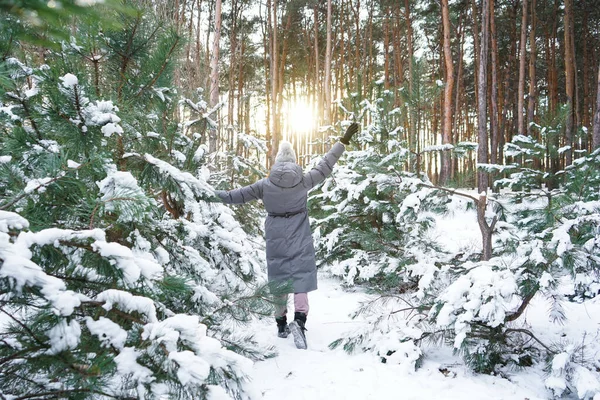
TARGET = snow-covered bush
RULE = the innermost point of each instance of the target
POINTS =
(118, 275)
(545, 247)
(372, 218)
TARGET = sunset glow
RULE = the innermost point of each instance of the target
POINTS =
(300, 118)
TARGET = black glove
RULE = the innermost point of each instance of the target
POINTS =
(350, 131)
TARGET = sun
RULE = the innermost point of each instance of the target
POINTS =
(300, 118)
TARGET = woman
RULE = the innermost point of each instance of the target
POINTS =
(290, 251)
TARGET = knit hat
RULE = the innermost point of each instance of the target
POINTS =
(285, 152)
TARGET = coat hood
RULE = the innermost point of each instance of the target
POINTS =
(285, 174)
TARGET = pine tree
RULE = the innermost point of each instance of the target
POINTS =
(368, 225)
(119, 276)
(546, 240)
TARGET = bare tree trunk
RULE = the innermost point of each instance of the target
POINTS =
(448, 89)
(596, 135)
(214, 72)
(281, 69)
(553, 94)
(585, 121)
(412, 137)
(532, 80)
(386, 49)
(476, 44)
(459, 92)
(327, 88)
(275, 130)
(569, 80)
(522, 60)
(268, 46)
(399, 67)
(232, 70)
(494, 115)
(319, 104)
(486, 229)
(482, 134)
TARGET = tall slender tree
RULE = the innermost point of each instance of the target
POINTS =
(327, 88)
(448, 90)
(531, 99)
(521, 130)
(214, 73)
(569, 80)
(596, 135)
(275, 128)
(412, 136)
(482, 133)
(494, 91)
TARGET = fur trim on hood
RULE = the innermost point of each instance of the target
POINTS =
(285, 152)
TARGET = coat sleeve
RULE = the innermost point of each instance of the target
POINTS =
(242, 195)
(325, 166)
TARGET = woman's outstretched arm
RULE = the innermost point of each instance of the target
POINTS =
(242, 195)
(325, 166)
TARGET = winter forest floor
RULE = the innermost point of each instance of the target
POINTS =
(321, 373)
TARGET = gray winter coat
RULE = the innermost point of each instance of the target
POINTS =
(290, 251)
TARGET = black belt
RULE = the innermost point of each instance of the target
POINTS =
(286, 215)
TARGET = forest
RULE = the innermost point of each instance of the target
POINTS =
(123, 276)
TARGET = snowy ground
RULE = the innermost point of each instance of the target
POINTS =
(321, 373)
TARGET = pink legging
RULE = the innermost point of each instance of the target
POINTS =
(300, 304)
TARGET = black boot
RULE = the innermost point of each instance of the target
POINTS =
(282, 327)
(297, 327)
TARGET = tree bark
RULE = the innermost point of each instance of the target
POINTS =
(412, 136)
(448, 89)
(214, 72)
(494, 100)
(386, 48)
(486, 229)
(596, 135)
(458, 100)
(319, 105)
(327, 88)
(531, 100)
(554, 141)
(476, 45)
(521, 130)
(482, 134)
(569, 81)
(275, 129)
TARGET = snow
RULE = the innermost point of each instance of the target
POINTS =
(64, 336)
(127, 365)
(563, 149)
(322, 373)
(10, 220)
(133, 265)
(121, 193)
(439, 147)
(102, 113)
(37, 185)
(319, 373)
(87, 3)
(109, 333)
(73, 164)
(68, 81)
(128, 303)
